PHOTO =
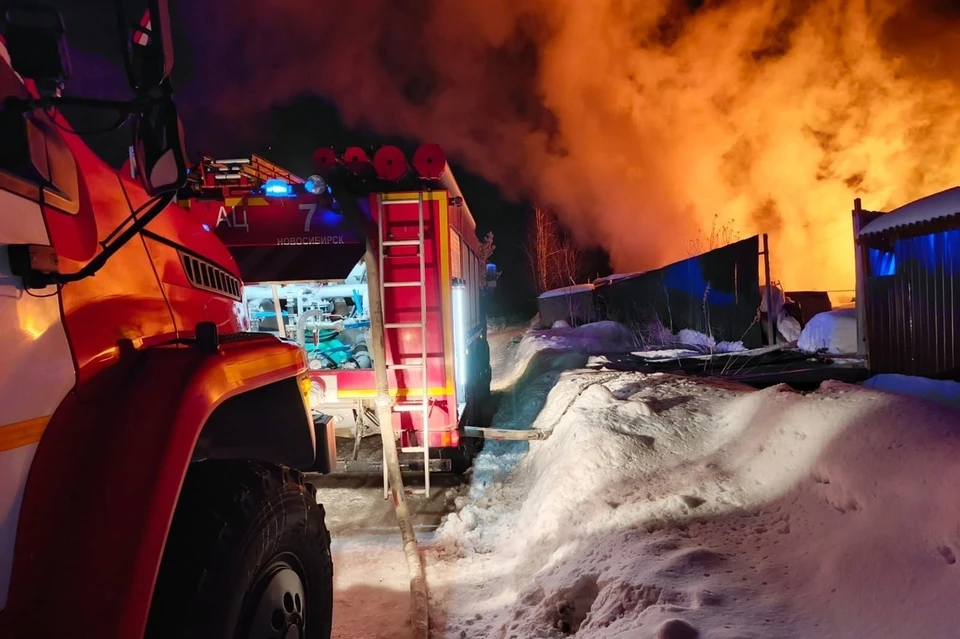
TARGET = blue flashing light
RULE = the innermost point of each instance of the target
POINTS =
(206, 227)
(277, 188)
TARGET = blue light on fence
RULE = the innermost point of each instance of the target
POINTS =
(882, 263)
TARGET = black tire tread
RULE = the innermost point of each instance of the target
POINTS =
(218, 504)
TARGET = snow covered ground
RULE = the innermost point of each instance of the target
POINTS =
(677, 508)
(567, 348)
(371, 583)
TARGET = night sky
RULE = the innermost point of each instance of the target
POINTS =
(287, 133)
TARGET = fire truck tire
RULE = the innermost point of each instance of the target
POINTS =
(248, 555)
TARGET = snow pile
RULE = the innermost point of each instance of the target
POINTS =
(687, 343)
(834, 332)
(938, 390)
(666, 353)
(589, 339)
(666, 507)
(707, 343)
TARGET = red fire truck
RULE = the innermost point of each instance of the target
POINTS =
(300, 246)
(147, 445)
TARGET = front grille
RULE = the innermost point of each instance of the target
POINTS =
(206, 276)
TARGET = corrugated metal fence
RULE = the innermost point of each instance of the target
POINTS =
(913, 305)
(716, 293)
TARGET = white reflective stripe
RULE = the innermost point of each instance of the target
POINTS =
(37, 369)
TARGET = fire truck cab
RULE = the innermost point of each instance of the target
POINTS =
(300, 245)
(145, 488)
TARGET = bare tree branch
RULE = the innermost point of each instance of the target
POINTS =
(555, 261)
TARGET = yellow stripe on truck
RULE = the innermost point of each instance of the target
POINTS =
(245, 201)
(247, 369)
(363, 393)
(22, 433)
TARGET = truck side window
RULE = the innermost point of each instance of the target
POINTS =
(33, 154)
(62, 189)
(15, 149)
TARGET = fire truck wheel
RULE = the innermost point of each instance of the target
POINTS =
(248, 556)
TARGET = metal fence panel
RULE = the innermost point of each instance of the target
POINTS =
(913, 306)
(717, 293)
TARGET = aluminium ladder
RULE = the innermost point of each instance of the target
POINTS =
(423, 406)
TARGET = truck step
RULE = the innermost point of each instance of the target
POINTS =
(403, 325)
(409, 408)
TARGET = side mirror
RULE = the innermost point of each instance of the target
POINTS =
(36, 40)
(159, 150)
(149, 52)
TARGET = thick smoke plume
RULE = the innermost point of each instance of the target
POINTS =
(640, 121)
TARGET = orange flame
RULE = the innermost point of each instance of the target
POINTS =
(640, 122)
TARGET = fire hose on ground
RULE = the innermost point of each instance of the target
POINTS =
(419, 604)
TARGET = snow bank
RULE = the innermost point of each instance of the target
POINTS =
(703, 342)
(589, 339)
(942, 391)
(834, 332)
(666, 353)
(692, 344)
(665, 507)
